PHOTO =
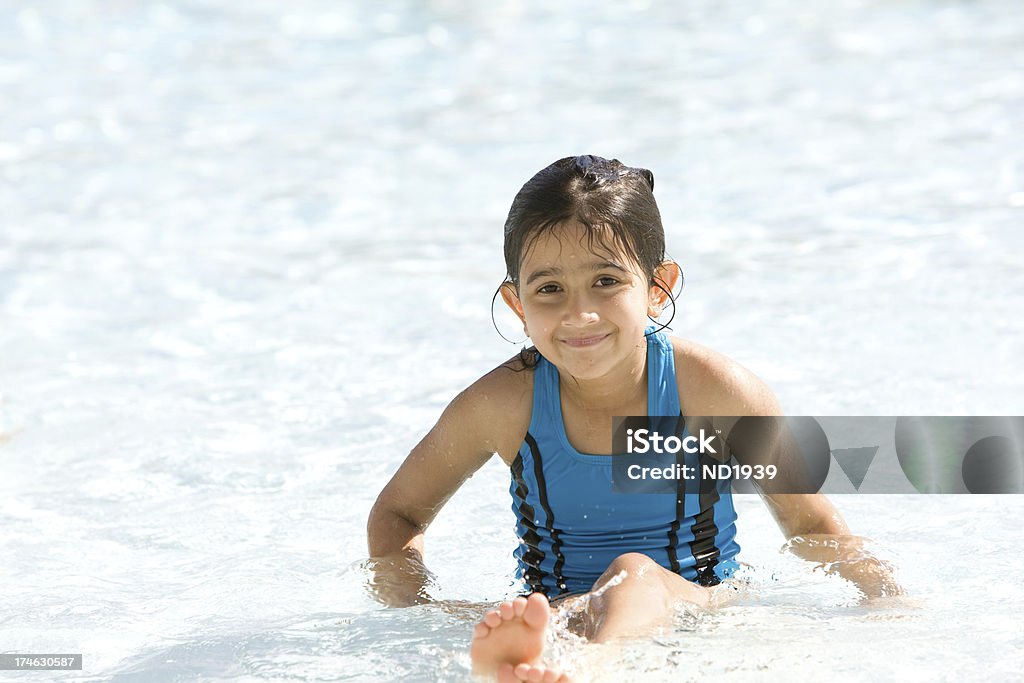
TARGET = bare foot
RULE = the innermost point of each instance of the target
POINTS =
(509, 641)
(534, 673)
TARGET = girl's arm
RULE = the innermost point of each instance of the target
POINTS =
(480, 421)
(713, 385)
(816, 532)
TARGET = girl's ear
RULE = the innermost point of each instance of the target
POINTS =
(511, 298)
(666, 275)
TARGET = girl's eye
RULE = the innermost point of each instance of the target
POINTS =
(548, 289)
(607, 281)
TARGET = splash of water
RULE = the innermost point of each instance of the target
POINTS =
(563, 646)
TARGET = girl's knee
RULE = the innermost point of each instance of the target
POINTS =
(645, 575)
(636, 566)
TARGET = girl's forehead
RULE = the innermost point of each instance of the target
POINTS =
(576, 245)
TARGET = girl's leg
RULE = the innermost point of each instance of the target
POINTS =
(637, 604)
(634, 597)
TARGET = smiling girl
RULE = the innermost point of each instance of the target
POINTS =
(587, 275)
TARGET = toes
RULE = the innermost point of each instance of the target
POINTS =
(506, 674)
(480, 631)
(530, 672)
(492, 619)
(519, 606)
(537, 610)
(535, 673)
(506, 610)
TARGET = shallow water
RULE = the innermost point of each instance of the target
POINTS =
(247, 255)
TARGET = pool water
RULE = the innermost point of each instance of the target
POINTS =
(247, 255)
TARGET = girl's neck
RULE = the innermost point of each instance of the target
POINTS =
(623, 387)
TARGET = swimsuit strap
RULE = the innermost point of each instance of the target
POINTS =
(662, 390)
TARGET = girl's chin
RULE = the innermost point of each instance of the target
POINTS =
(585, 369)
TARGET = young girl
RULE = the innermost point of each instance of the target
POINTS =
(587, 274)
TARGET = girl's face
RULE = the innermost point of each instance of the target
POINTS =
(584, 307)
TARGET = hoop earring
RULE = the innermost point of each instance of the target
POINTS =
(671, 297)
(495, 324)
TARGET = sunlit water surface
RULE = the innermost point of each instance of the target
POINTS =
(247, 253)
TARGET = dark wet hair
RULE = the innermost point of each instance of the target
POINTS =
(613, 202)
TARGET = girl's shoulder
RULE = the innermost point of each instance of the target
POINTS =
(499, 406)
(711, 383)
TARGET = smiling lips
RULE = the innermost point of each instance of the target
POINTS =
(579, 342)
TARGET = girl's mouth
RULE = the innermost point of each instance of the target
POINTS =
(578, 342)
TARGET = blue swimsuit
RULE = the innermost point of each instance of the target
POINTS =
(570, 523)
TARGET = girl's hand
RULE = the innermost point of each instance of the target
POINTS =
(399, 580)
(847, 556)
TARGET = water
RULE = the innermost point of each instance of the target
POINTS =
(247, 255)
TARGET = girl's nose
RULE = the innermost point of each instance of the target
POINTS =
(579, 309)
